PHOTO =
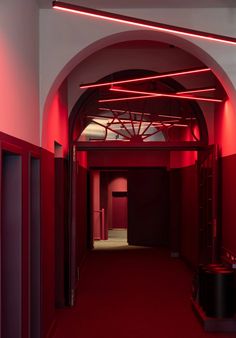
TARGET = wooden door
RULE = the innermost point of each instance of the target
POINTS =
(119, 211)
(148, 205)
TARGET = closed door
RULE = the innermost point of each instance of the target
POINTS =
(148, 206)
(119, 212)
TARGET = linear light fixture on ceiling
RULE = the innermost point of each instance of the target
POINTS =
(170, 116)
(123, 111)
(154, 95)
(180, 125)
(146, 96)
(128, 98)
(194, 91)
(147, 78)
(139, 113)
(142, 23)
(175, 95)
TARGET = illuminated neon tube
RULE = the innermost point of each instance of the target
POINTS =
(142, 23)
(146, 78)
(154, 95)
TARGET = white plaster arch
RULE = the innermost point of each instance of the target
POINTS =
(132, 35)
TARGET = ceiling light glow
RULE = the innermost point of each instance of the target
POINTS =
(142, 23)
(147, 78)
(154, 95)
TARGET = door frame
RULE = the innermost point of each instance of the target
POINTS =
(87, 146)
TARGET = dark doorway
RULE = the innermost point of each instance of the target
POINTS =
(148, 205)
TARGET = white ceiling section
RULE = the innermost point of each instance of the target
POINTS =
(147, 3)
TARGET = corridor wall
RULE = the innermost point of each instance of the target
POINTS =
(16, 215)
(19, 135)
(64, 42)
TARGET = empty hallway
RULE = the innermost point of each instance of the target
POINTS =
(115, 114)
(132, 293)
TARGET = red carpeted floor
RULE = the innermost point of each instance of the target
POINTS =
(132, 294)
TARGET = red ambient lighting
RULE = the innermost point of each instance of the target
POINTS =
(147, 78)
(151, 95)
(142, 23)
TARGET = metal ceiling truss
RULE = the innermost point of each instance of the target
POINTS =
(131, 126)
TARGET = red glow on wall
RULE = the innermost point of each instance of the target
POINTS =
(147, 78)
(55, 122)
(225, 128)
(82, 159)
(142, 23)
(149, 95)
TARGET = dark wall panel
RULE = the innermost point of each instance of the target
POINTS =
(35, 243)
(228, 203)
(148, 206)
(47, 240)
(82, 212)
(175, 210)
(11, 235)
(189, 214)
(127, 158)
(61, 221)
(119, 211)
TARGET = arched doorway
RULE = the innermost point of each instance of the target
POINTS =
(105, 121)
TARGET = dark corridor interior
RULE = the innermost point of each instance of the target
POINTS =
(166, 236)
(136, 293)
(156, 205)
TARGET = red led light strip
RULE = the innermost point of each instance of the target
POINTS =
(147, 78)
(123, 111)
(194, 91)
(154, 95)
(130, 98)
(170, 116)
(142, 23)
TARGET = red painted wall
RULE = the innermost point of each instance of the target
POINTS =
(127, 158)
(95, 205)
(119, 212)
(180, 159)
(55, 122)
(228, 203)
(225, 125)
(117, 182)
(111, 181)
